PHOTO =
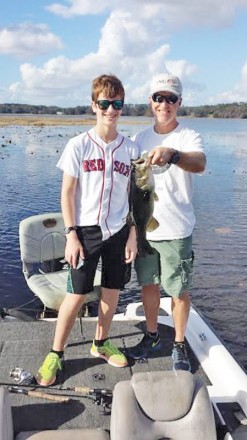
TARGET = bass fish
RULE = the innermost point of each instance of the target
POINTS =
(142, 199)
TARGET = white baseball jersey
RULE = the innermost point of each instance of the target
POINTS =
(103, 173)
(174, 187)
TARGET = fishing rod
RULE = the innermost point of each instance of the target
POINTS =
(86, 391)
(26, 379)
(99, 396)
(26, 384)
(39, 394)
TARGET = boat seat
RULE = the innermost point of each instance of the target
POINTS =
(162, 405)
(42, 243)
(7, 430)
(65, 434)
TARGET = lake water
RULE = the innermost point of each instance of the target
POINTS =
(30, 184)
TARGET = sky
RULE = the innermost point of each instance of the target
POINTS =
(51, 52)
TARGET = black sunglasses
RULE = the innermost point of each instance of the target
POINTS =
(170, 99)
(104, 104)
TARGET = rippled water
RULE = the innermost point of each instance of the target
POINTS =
(30, 184)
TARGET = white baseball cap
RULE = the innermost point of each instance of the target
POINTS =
(166, 83)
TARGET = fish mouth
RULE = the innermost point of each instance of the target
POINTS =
(159, 169)
(139, 161)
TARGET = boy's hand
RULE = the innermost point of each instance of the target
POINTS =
(73, 249)
(131, 246)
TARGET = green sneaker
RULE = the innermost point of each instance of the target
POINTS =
(48, 371)
(110, 353)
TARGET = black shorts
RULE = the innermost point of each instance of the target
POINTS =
(112, 253)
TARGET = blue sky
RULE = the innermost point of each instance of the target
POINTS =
(50, 52)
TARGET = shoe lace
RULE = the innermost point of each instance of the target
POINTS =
(110, 349)
(147, 341)
(180, 353)
(52, 361)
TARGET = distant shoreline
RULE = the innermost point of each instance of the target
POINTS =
(39, 121)
(55, 120)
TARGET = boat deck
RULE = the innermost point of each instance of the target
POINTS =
(25, 344)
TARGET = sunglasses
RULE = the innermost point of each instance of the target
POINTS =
(104, 104)
(170, 99)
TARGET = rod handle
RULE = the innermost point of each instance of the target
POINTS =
(48, 396)
(83, 390)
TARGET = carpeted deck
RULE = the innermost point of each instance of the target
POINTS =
(25, 344)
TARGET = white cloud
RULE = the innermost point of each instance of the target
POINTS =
(238, 92)
(59, 82)
(79, 7)
(26, 40)
(133, 45)
(181, 68)
(173, 13)
(64, 82)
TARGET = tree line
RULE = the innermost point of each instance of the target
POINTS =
(233, 110)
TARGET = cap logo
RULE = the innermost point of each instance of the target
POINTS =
(166, 81)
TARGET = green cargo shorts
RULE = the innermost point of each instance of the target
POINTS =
(171, 265)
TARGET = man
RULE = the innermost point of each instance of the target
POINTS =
(96, 169)
(169, 143)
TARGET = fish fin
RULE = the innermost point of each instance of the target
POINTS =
(156, 198)
(152, 224)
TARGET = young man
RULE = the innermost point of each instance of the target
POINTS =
(169, 143)
(96, 170)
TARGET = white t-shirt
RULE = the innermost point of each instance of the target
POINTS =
(174, 187)
(103, 172)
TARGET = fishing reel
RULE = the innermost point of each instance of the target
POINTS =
(102, 397)
(21, 376)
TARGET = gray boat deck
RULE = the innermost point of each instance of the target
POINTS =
(25, 344)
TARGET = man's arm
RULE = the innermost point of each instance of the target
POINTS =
(193, 161)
